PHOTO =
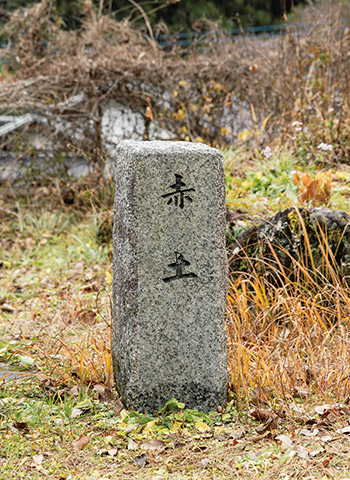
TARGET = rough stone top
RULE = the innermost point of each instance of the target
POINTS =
(158, 146)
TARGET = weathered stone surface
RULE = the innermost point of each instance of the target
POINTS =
(283, 240)
(169, 275)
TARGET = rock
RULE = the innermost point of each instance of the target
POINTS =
(169, 275)
(317, 239)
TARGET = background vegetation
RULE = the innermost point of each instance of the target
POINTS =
(289, 415)
(177, 15)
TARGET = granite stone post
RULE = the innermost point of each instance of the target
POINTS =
(169, 275)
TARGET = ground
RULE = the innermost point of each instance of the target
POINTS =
(64, 421)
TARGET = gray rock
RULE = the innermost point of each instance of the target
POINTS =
(169, 275)
(281, 243)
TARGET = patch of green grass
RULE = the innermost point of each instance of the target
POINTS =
(261, 186)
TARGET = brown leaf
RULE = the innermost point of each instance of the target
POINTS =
(29, 243)
(296, 178)
(99, 389)
(260, 395)
(284, 441)
(153, 445)
(262, 414)
(5, 307)
(74, 391)
(234, 441)
(236, 434)
(141, 460)
(86, 316)
(81, 442)
(118, 407)
(253, 69)
(149, 113)
(132, 445)
(21, 426)
(38, 460)
(271, 424)
(257, 438)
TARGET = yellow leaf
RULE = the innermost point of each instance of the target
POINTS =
(150, 425)
(253, 113)
(247, 184)
(265, 121)
(175, 93)
(179, 115)
(149, 113)
(217, 86)
(202, 427)
(109, 277)
(244, 135)
(225, 131)
(182, 83)
(123, 414)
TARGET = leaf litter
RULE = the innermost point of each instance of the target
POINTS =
(244, 442)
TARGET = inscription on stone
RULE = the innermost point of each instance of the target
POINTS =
(179, 265)
(178, 195)
(169, 275)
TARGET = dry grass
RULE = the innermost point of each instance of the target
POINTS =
(302, 76)
(285, 356)
(290, 338)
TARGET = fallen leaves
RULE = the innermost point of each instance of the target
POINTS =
(132, 445)
(112, 452)
(317, 190)
(284, 441)
(38, 460)
(23, 426)
(81, 442)
(345, 430)
(6, 307)
(141, 460)
(153, 445)
(202, 427)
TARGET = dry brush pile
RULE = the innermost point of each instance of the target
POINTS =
(221, 91)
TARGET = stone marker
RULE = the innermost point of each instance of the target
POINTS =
(169, 275)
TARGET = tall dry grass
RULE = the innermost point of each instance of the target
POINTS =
(290, 338)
